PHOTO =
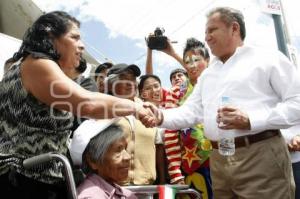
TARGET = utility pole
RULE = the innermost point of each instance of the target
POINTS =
(286, 30)
(291, 50)
(280, 36)
(276, 9)
(280, 29)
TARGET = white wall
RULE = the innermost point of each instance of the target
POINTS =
(9, 45)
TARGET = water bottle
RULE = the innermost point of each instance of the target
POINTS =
(226, 139)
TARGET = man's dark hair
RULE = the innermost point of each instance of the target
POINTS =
(230, 15)
(101, 68)
(178, 70)
(39, 37)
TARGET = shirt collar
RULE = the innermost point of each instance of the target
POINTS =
(238, 50)
(109, 189)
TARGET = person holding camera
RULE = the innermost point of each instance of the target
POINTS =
(158, 41)
(195, 59)
(178, 76)
(168, 99)
(195, 169)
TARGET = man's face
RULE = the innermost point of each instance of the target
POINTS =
(177, 79)
(125, 86)
(219, 37)
(100, 80)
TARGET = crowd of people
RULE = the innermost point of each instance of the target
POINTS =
(122, 128)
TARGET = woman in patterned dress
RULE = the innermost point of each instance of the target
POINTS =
(37, 103)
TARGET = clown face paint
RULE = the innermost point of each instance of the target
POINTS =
(195, 64)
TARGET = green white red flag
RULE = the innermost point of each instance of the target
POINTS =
(166, 192)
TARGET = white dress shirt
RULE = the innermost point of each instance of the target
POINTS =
(262, 83)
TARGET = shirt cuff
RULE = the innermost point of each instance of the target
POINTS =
(258, 120)
(166, 118)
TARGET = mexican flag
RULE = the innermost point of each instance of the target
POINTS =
(166, 192)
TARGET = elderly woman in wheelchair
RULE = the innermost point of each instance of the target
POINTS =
(101, 146)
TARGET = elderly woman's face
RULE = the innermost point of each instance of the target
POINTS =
(70, 47)
(116, 162)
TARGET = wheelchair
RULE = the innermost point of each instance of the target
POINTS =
(145, 192)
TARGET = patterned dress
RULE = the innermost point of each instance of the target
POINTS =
(29, 128)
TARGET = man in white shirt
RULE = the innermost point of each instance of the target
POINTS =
(265, 91)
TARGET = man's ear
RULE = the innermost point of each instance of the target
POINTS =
(236, 27)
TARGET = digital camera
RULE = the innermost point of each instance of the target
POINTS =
(157, 41)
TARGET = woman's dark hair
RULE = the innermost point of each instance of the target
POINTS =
(39, 37)
(82, 66)
(195, 44)
(143, 78)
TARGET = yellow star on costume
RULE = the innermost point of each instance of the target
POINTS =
(191, 155)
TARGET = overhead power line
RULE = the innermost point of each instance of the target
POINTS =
(184, 23)
(97, 52)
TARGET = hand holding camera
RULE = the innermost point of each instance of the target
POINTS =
(157, 41)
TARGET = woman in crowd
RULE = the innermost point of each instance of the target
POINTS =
(37, 102)
(150, 90)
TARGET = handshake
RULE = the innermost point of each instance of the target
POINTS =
(149, 114)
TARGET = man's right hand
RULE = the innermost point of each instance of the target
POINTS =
(153, 119)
